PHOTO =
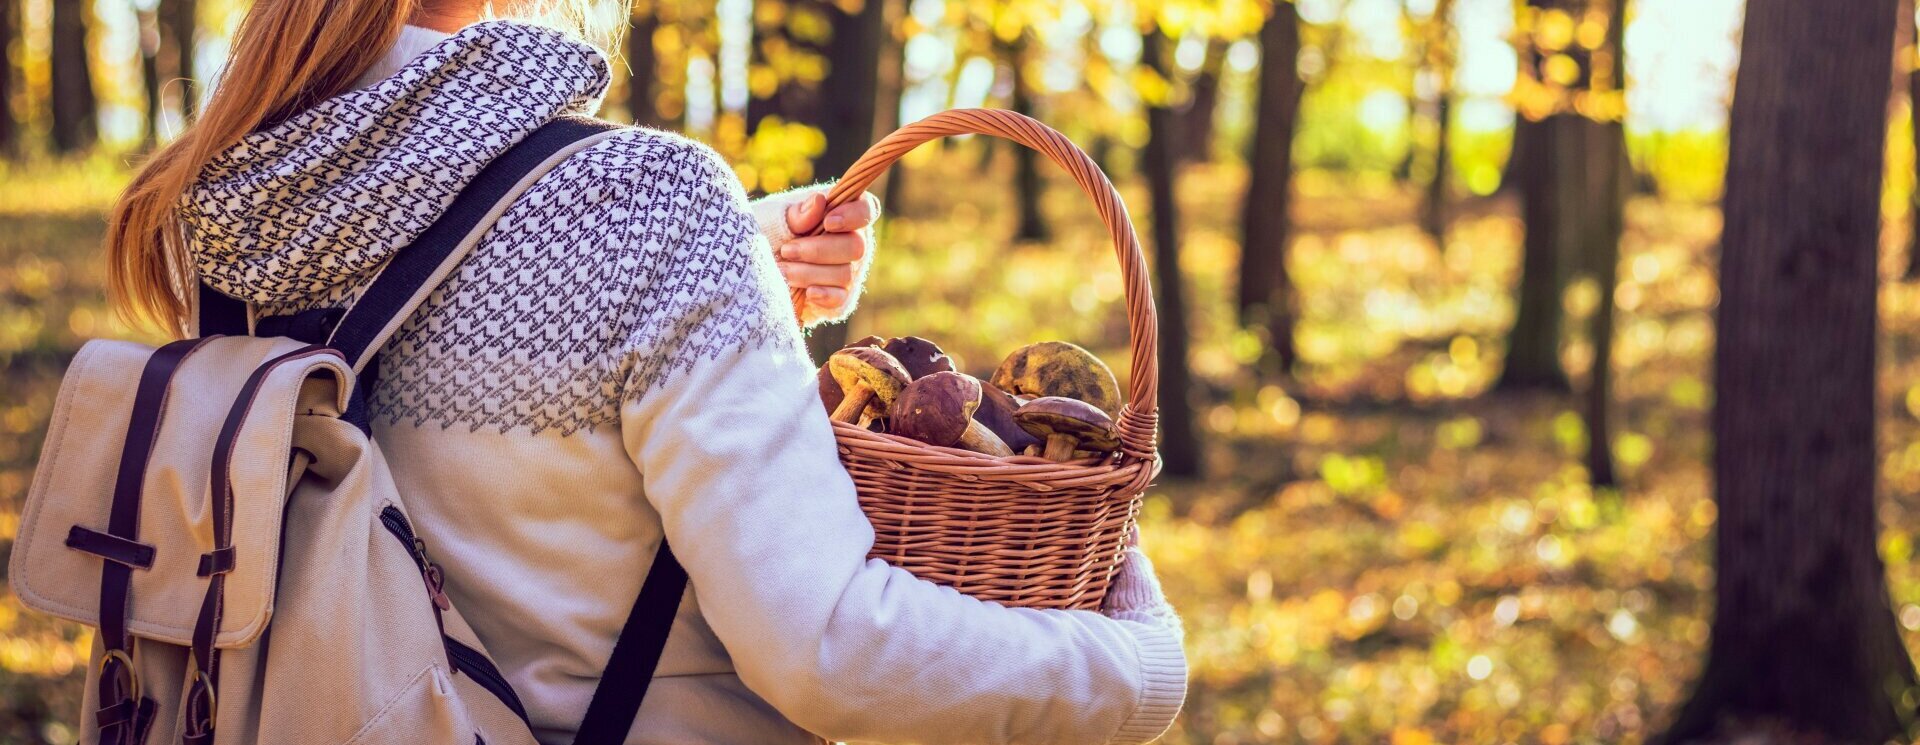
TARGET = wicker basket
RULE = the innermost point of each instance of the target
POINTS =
(1021, 531)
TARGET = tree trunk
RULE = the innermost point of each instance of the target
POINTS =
(1433, 210)
(1608, 175)
(1196, 118)
(643, 64)
(9, 126)
(1533, 344)
(1803, 636)
(1913, 119)
(150, 77)
(886, 115)
(182, 18)
(1179, 437)
(1028, 185)
(74, 107)
(1266, 296)
(847, 114)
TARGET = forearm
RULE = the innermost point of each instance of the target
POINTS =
(763, 516)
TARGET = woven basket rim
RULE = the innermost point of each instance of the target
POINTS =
(1038, 474)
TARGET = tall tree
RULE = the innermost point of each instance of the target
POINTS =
(9, 126)
(74, 106)
(1437, 52)
(1568, 101)
(847, 113)
(1196, 116)
(1266, 295)
(1603, 202)
(1804, 641)
(643, 64)
(182, 21)
(1026, 166)
(150, 81)
(1179, 436)
(1912, 62)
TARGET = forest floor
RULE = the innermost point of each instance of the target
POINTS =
(1381, 553)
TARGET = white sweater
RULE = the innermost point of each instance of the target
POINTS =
(617, 363)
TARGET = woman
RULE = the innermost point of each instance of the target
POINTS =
(616, 363)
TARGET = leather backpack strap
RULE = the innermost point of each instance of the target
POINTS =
(629, 672)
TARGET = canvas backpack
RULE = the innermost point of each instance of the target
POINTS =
(217, 509)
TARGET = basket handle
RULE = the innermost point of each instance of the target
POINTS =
(1138, 418)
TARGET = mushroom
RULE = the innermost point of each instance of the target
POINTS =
(938, 410)
(1056, 368)
(919, 356)
(1067, 425)
(869, 380)
(996, 412)
(830, 393)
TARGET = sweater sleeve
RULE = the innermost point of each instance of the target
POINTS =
(723, 420)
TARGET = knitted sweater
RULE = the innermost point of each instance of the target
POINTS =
(616, 363)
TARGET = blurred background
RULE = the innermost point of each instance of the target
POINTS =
(1437, 284)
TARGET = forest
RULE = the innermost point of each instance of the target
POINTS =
(1531, 371)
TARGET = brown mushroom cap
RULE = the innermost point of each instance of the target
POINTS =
(919, 356)
(996, 413)
(936, 409)
(1066, 425)
(830, 393)
(869, 379)
(1057, 368)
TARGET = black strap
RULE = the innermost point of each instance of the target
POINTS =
(616, 702)
(216, 564)
(399, 285)
(119, 683)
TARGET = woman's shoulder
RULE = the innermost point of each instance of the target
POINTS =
(654, 163)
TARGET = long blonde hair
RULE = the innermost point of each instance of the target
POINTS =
(287, 55)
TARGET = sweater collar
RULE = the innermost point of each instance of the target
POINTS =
(413, 42)
(296, 210)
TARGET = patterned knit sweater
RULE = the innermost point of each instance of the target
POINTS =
(616, 363)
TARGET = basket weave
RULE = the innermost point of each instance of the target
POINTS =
(1021, 531)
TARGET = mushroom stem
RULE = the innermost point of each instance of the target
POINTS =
(979, 439)
(1060, 447)
(853, 405)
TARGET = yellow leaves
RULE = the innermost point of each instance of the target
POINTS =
(1404, 735)
(1553, 30)
(1153, 89)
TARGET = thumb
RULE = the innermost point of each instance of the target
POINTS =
(804, 216)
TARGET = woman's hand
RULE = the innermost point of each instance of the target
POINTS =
(831, 265)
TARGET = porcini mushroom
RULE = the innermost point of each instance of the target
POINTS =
(1057, 368)
(919, 356)
(996, 412)
(1067, 425)
(938, 410)
(830, 394)
(869, 380)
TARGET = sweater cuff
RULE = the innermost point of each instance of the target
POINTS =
(770, 212)
(1163, 688)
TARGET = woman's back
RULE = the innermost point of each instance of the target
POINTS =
(616, 363)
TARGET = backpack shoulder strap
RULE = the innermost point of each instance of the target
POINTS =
(636, 653)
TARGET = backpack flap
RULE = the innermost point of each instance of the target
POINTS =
(74, 486)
